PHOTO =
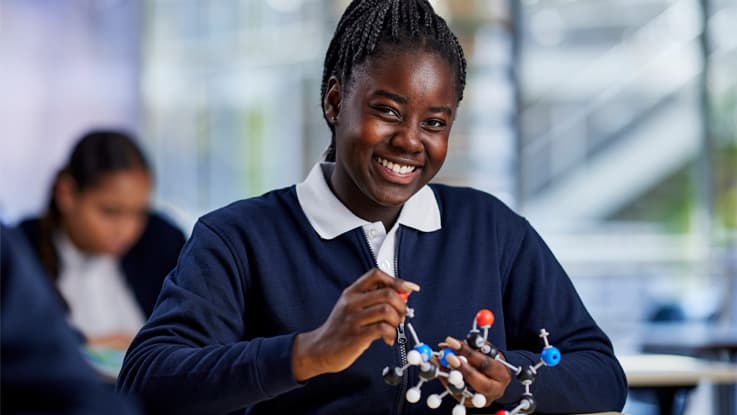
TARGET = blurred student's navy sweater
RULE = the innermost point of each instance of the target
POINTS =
(43, 370)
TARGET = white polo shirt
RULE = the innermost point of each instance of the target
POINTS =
(331, 218)
(100, 301)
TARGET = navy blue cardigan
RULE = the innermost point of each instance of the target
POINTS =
(255, 273)
(43, 370)
(145, 265)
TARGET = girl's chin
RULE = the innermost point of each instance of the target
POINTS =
(393, 198)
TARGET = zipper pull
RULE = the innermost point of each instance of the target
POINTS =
(401, 337)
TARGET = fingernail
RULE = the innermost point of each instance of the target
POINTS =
(454, 362)
(453, 343)
(410, 286)
(442, 345)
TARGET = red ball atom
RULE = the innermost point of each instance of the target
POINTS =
(404, 295)
(485, 318)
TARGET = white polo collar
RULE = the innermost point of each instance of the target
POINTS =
(330, 217)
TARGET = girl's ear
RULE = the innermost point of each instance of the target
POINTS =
(332, 101)
(65, 193)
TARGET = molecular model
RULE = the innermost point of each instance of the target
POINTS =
(434, 364)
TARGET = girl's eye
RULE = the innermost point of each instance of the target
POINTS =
(435, 123)
(386, 110)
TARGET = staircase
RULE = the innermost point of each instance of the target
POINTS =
(590, 162)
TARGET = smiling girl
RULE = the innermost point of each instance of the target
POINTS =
(277, 301)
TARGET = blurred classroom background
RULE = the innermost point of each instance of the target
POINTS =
(610, 124)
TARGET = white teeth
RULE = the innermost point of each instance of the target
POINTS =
(395, 167)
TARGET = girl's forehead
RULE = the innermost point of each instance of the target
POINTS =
(413, 76)
(404, 59)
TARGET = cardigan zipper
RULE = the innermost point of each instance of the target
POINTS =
(401, 336)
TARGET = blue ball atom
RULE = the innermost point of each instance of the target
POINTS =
(551, 356)
(425, 351)
(444, 357)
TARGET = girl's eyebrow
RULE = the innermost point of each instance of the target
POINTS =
(442, 109)
(398, 98)
(402, 100)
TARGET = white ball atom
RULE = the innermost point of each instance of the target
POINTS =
(456, 379)
(459, 410)
(413, 395)
(434, 401)
(478, 400)
(414, 357)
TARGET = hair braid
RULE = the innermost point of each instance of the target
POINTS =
(376, 30)
(413, 18)
(395, 18)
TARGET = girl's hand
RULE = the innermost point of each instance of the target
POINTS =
(369, 309)
(482, 373)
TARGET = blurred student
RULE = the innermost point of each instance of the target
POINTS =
(42, 368)
(105, 252)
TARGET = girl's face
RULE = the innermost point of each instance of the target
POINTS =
(109, 217)
(391, 130)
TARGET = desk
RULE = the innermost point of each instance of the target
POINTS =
(701, 339)
(710, 340)
(671, 374)
(653, 370)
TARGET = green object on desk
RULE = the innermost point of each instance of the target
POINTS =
(107, 361)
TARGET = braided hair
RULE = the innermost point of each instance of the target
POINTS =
(371, 28)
